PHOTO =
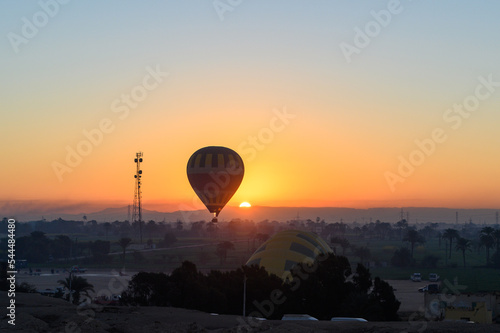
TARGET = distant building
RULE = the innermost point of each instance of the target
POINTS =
(480, 308)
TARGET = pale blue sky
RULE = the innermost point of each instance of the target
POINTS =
(264, 54)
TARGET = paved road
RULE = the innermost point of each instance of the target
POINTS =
(407, 293)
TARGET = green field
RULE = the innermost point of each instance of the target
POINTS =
(202, 251)
(474, 277)
(382, 250)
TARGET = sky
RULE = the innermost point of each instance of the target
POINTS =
(329, 103)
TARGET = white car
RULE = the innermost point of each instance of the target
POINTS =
(348, 319)
(433, 277)
(416, 277)
(298, 317)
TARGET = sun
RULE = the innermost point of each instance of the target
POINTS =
(245, 204)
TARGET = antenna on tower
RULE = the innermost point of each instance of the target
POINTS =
(402, 215)
(137, 207)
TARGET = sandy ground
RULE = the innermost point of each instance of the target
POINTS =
(105, 282)
(37, 313)
(406, 292)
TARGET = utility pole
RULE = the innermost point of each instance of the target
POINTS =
(244, 294)
(70, 289)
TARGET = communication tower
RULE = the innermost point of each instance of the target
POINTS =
(137, 207)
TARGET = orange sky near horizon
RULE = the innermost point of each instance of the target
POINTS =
(312, 128)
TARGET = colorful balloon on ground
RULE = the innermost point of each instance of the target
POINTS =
(215, 173)
(286, 249)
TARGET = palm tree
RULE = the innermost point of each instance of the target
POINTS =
(344, 243)
(222, 249)
(450, 234)
(440, 237)
(262, 237)
(463, 245)
(486, 239)
(124, 243)
(496, 236)
(400, 225)
(413, 237)
(151, 227)
(107, 226)
(76, 286)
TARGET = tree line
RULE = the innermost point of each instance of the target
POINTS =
(463, 242)
(324, 289)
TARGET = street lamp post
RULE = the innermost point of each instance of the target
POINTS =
(70, 290)
(244, 294)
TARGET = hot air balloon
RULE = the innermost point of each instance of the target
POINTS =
(287, 248)
(215, 173)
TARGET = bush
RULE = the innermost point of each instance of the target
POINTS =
(25, 287)
(168, 240)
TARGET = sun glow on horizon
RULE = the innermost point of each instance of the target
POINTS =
(245, 204)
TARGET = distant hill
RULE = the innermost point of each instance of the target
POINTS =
(260, 213)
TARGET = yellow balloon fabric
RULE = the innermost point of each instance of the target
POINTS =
(287, 248)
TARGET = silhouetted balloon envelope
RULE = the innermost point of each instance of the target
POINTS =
(215, 173)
